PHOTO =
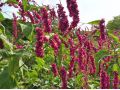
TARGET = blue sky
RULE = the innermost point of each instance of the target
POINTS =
(89, 9)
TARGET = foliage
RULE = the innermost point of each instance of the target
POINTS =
(114, 24)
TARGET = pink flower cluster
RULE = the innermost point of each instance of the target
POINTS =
(63, 75)
(46, 21)
(31, 17)
(71, 67)
(74, 12)
(82, 59)
(55, 43)
(40, 41)
(72, 47)
(63, 21)
(92, 66)
(115, 80)
(52, 14)
(54, 69)
(102, 29)
(104, 80)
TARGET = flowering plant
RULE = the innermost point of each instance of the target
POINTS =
(40, 48)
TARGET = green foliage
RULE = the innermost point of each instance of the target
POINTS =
(115, 38)
(1, 17)
(6, 80)
(114, 24)
(115, 67)
(27, 30)
(95, 22)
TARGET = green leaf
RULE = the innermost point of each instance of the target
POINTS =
(1, 17)
(115, 38)
(25, 4)
(40, 63)
(95, 22)
(7, 44)
(78, 80)
(100, 55)
(115, 67)
(2, 29)
(12, 1)
(6, 81)
(27, 29)
(13, 65)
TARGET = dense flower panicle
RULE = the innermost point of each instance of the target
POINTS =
(92, 65)
(63, 21)
(63, 75)
(71, 67)
(15, 29)
(74, 12)
(37, 15)
(54, 45)
(1, 44)
(54, 69)
(74, 22)
(82, 53)
(104, 80)
(72, 47)
(81, 64)
(72, 7)
(46, 20)
(82, 59)
(115, 80)
(102, 29)
(80, 38)
(31, 17)
(57, 39)
(52, 14)
(88, 45)
(100, 43)
(40, 41)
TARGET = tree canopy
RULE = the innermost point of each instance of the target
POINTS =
(114, 24)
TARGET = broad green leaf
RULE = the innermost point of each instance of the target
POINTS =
(27, 29)
(115, 67)
(1, 17)
(115, 38)
(95, 22)
(6, 81)
(100, 55)
(13, 65)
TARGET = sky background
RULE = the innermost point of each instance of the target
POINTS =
(89, 9)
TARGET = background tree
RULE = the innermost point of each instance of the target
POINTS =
(114, 24)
